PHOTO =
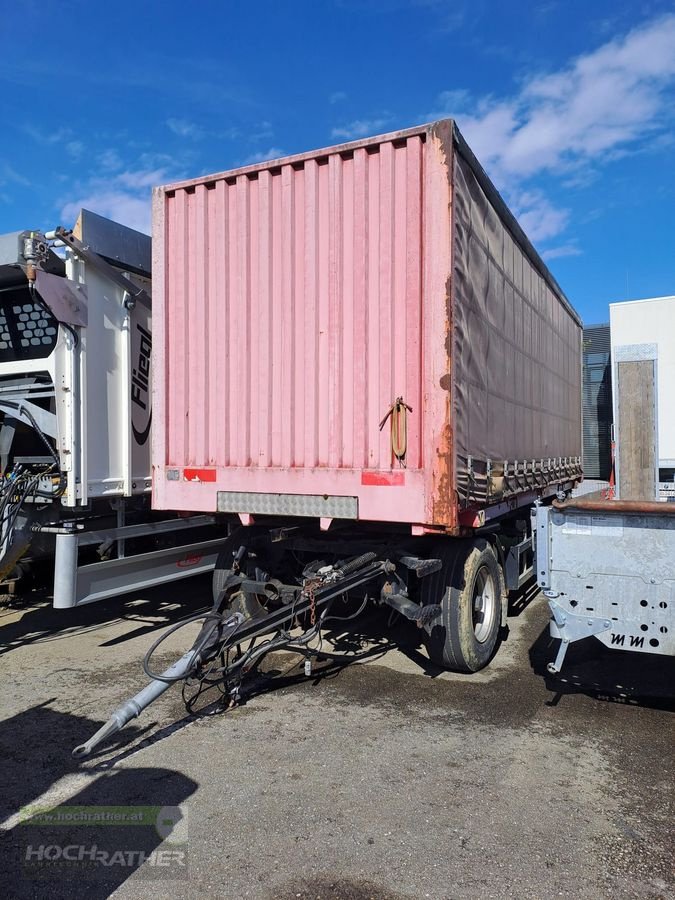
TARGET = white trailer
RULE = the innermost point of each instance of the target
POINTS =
(75, 416)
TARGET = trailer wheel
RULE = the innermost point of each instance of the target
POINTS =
(465, 635)
(223, 567)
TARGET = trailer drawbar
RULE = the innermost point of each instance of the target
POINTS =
(239, 616)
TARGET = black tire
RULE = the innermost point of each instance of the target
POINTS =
(223, 567)
(469, 589)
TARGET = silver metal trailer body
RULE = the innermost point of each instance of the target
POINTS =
(607, 569)
(75, 414)
(85, 382)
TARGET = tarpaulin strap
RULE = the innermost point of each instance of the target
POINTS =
(399, 428)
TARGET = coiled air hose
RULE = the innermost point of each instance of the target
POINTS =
(399, 428)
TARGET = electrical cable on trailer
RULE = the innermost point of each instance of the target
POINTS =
(197, 647)
(18, 486)
(26, 412)
(223, 630)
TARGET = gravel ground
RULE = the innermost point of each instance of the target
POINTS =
(381, 778)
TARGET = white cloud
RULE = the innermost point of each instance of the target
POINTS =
(9, 175)
(263, 156)
(602, 102)
(121, 206)
(360, 128)
(489, 131)
(451, 19)
(124, 196)
(562, 250)
(185, 128)
(110, 159)
(337, 97)
(453, 102)
(539, 218)
(75, 149)
(544, 9)
(569, 123)
(47, 137)
(228, 134)
(261, 131)
(137, 180)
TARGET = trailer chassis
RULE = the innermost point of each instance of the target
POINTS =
(78, 584)
(216, 656)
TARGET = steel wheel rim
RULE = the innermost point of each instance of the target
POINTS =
(483, 604)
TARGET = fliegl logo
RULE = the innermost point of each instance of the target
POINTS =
(141, 413)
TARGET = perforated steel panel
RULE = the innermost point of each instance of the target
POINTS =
(27, 330)
(612, 567)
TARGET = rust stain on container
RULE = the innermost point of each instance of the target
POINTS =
(444, 504)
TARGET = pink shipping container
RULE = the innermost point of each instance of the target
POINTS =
(297, 299)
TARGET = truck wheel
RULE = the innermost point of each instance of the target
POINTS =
(465, 634)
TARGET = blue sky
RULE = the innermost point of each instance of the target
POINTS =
(569, 105)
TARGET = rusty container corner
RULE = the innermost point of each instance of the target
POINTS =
(298, 299)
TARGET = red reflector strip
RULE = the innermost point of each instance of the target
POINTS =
(188, 561)
(199, 474)
(391, 479)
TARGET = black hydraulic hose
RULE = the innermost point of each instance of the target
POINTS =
(43, 437)
(197, 647)
(357, 563)
(40, 432)
(8, 516)
(235, 629)
(350, 617)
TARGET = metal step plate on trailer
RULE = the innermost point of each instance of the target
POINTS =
(607, 569)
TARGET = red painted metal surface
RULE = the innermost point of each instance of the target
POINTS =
(390, 478)
(291, 307)
(295, 300)
(191, 474)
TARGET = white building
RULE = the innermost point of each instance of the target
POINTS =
(643, 379)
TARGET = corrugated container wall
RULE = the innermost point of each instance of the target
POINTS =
(299, 298)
